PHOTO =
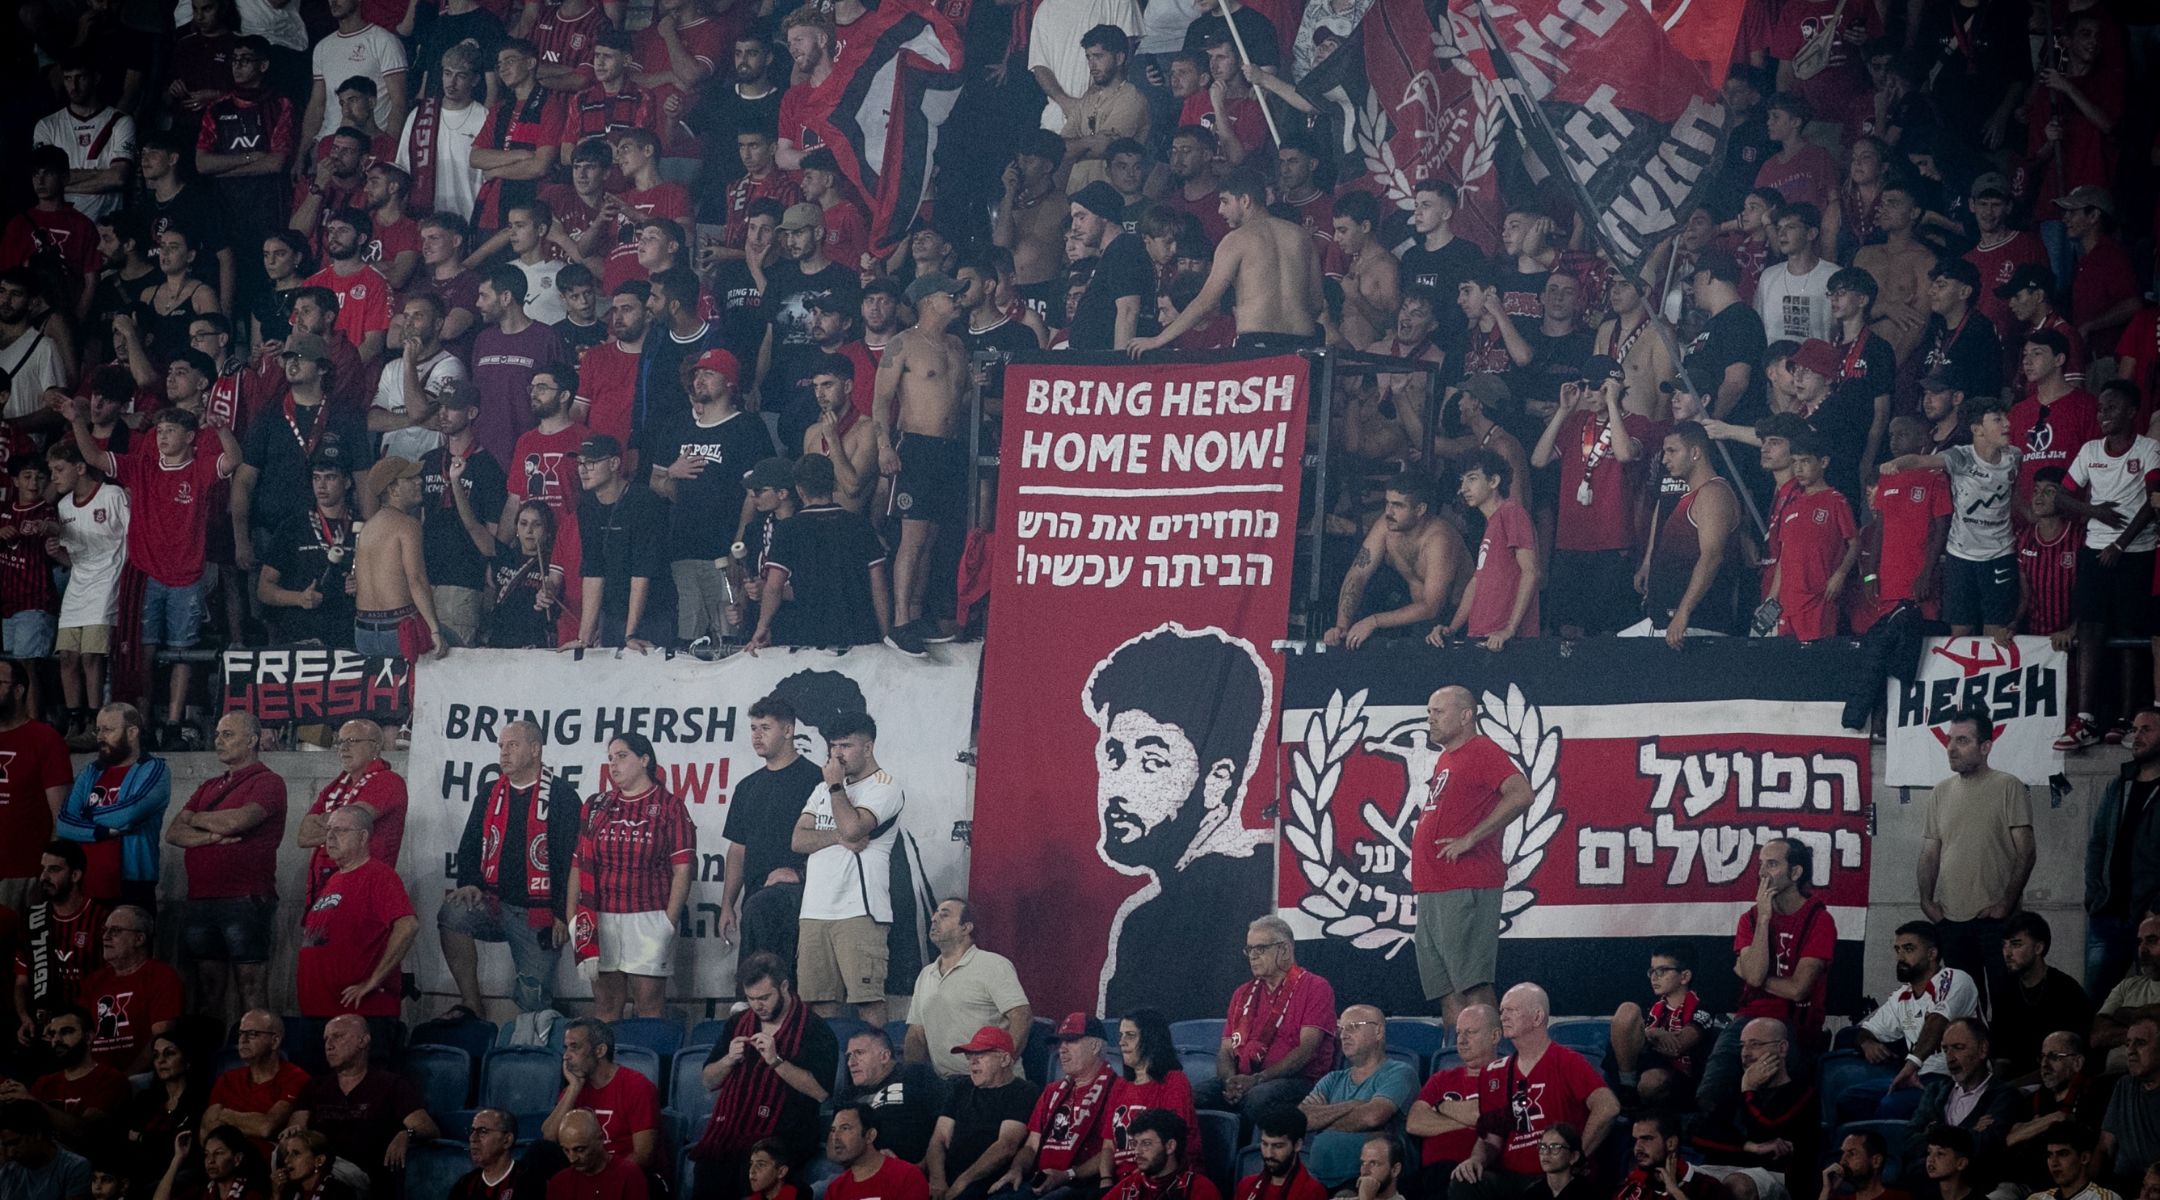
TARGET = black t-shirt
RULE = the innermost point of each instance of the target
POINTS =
(2022, 1019)
(1522, 293)
(719, 114)
(623, 541)
(976, 1114)
(761, 819)
(308, 548)
(196, 212)
(819, 1056)
(435, 31)
(285, 484)
(1554, 359)
(579, 338)
(787, 308)
(2137, 805)
(513, 622)
(452, 558)
(1850, 411)
(1124, 269)
(1971, 353)
(907, 1102)
(361, 1123)
(1733, 336)
(1443, 271)
(706, 508)
(742, 309)
(827, 553)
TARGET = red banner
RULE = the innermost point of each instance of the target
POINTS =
(1131, 680)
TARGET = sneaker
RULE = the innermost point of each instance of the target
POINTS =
(934, 633)
(906, 640)
(2079, 736)
(2116, 733)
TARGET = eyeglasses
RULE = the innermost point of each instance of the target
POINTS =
(1553, 1147)
(348, 743)
(1347, 1026)
(1662, 972)
(1263, 948)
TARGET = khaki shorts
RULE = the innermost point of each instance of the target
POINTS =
(841, 960)
(1458, 936)
(84, 639)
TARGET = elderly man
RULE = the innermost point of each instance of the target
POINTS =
(1475, 789)
(1971, 1096)
(1445, 1113)
(984, 1122)
(624, 1101)
(495, 1174)
(2067, 1092)
(1776, 1126)
(511, 869)
(228, 835)
(594, 1173)
(1368, 1094)
(1071, 1117)
(2136, 996)
(258, 1096)
(966, 988)
(906, 1095)
(1568, 1088)
(372, 1115)
(356, 930)
(116, 809)
(768, 1073)
(1279, 1036)
(1282, 1168)
(2130, 1131)
(366, 782)
(133, 997)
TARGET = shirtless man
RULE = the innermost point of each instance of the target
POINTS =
(922, 387)
(1900, 265)
(841, 434)
(1475, 402)
(1030, 216)
(1633, 336)
(388, 563)
(1371, 283)
(1269, 264)
(1422, 548)
(1387, 414)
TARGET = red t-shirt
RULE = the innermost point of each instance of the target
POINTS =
(1206, 208)
(1300, 1186)
(1840, 91)
(569, 43)
(2104, 278)
(363, 301)
(1997, 263)
(847, 235)
(389, 242)
(1517, 1107)
(1806, 932)
(35, 759)
(102, 1090)
(2139, 346)
(544, 468)
(1264, 1026)
(893, 1180)
(1809, 177)
(776, 184)
(2051, 436)
(627, 1106)
(1246, 120)
(382, 790)
(1454, 1083)
(1499, 574)
(247, 867)
(1129, 1099)
(102, 863)
(1602, 524)
(343, 936)
(170, 512)
(1908, 504)
(1812, 534)
(65, 234)
(1463, 790)
(795, 116)
(607, 382)
(621, 1179)
(237, 1090)
(708, 41)
(125, 1010)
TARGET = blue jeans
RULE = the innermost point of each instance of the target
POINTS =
(493, 921)
(172, 616)
(1854, 1089)
(29, 633)
(2110, 941)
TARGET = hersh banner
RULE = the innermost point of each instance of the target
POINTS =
(306, 685)
(1654, 778)
(1146, 527)
(697, 715)
(2024, 688)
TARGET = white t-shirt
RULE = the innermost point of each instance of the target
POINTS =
(374, 52)
(839, 883)
(32, 364)
(1795, 307)
(95, 535)
(414, 441)
(1949, 993)
(1980, 502)
(542, 302)
(2119, 481)
(79, 136)
(457, 184)
(1054, 42)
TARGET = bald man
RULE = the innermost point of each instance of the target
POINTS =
(1525, 1094)
(1455, 867)
(1368, 1094)
(366, 781)
(372, 1115)
(593, 1173)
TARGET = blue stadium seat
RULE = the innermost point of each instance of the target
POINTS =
(555, 1032)
(227, 1060)
(642, 1060)
(444, 1075)
(1199, 1065)
(897, 1031)
(1407, 1057)
(1424, 1035)
(470, 1034)
(685, 1173)
(661, 1035)
(1204, 1034)
(1587, 1036)
(686, 1082)
(1039, 1057)
(1248, 1164)
(521, 1080)
(1441, 1062)
(433, 1167)
(844, 1028)
(1219, 1146)
(706, 1033)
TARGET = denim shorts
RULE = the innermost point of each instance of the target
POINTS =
(172, 616)
(29, 634)
(229, 929)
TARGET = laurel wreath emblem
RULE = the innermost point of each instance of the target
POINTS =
(1396, 178)
(1316, 762)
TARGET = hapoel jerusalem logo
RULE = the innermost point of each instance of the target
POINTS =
(1365, 898)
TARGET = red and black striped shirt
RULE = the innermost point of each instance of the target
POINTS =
(631, 846)
(26, 582)
(2050, 571)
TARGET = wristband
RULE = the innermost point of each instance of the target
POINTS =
(1914, 1059)
(1869, 578)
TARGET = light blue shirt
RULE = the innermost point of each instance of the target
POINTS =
(1332, 1155)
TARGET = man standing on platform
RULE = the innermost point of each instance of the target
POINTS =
(1474, 791)
(367, 781)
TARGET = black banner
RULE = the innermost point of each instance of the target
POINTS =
(292, 685)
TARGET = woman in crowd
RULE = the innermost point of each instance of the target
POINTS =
(308, 1170)
(524, 612)
(633, 875)
(170, 1107)
(286, 263)
(1152, 1079)
(176, 299)
(1566, 1176)
(230, 1169)
(1849, 222)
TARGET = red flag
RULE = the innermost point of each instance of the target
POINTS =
(1703, 30)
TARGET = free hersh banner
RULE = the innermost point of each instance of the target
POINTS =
(313, 684)
(696, 714)
(1139, 587)
(2024, 688)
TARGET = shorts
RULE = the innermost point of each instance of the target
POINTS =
(1591, 589)
(700, 600)
(84, 639)
(460, 611)
(933, 480)
(639, 943)
(1458, 937)
(172, 616)
(234, 929)
(841, 960)
(1979, 594)
(29, 634)
(2117, 598)
(1046, 298)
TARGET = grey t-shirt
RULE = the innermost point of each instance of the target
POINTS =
(1980, 494)
(2133, 1116)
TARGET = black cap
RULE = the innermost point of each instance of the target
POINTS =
(844, 300)
(775, 472)
(330, 456)
(600, 445)
(2030, 275)
(1957, 270)
(1600, 367)
(1101, 199)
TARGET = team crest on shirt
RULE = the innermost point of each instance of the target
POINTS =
(359, 291)
(537, 852)
(186, 493)
(577, 41)
(1918, 495)
(1822, 516)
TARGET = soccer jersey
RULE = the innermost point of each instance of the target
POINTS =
(631, 845)
(169, 513)
(2050, 435)
(2049, 568)
(103, 139)
(1812, 535)
(2118, 480)
(1907, 504)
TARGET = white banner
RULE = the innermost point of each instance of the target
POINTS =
(2024, 687)
(697, 715)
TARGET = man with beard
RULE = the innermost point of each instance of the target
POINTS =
(749, 101)
(1977, 851)
(1120, 298)
(697, 463)
(1424, 556)
(1282, 1175)
(842, 433)
(1179, 716)
(789, 340)
(768, 1073)
(511, 862)
(1071, 1118)
(63, 939)
(409, 388)
(507, 354)
(117, 810)
(832, 322)
(363, 295)
(544, 469)
(306, 583)
(1910, 1024)
(247, 140)
(679, 335)
(79, 1093)
(394, 248)
(1270, 266)
(229, 834)
(368, 782)
(608, 373)
(1164, 1165)
(277, 465)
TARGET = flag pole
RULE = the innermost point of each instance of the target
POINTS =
(1259, 94)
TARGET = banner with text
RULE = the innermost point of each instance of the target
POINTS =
(1146, 528)
(302, 685)
(696, 714)
(2024, 688)
(1654, 778)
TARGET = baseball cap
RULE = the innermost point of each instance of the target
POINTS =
(989, 1037)
(1488, 389)
(1854, 279)
(2030, 275)
(802, 216)
(599, 445)
(1942, 379)
(714, 359)
(1991, 184)
(2087, 196)
(1818, 356)
(843, 300)
(306, 345)
(1600, 367)
(932, 284)
(1958, 270)
(389, 471)
(1079, 1025)
(330, 456)
(774, 472)
(1101, 199)
(458, 393)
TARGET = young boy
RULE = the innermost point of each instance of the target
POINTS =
(27, 600)
(1908, 523)
(1980, 576)
(581, 327)
(1654, 1052)
(2113, 598)
(1817, 547)
(1501, 602)
(2048, 551)
(92, 517)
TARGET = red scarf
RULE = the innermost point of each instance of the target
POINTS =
(495, 832)
(309, 441)
(585, 922)
(747, 1106)
(423, 150)
(1260, 1019)
(1079, 1102)
(343, 790)
(1597, 442)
